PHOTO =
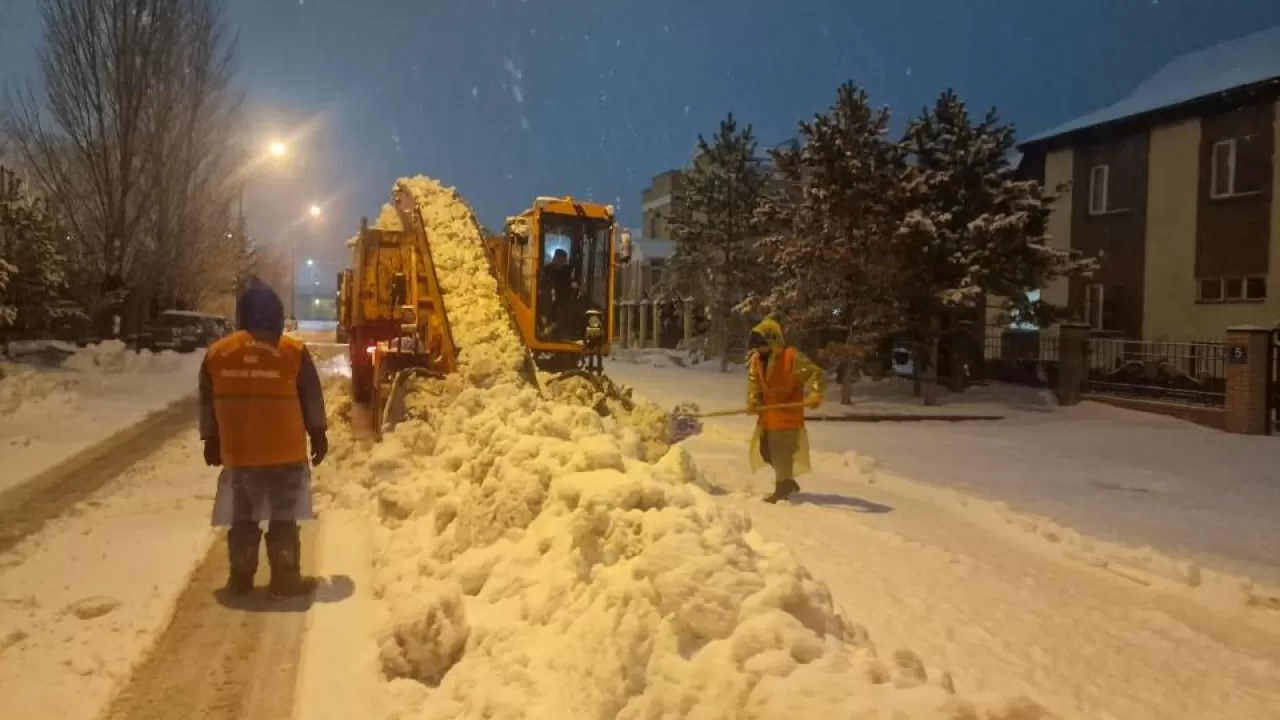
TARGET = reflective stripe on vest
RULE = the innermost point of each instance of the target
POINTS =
(255, 396)
(778, 386)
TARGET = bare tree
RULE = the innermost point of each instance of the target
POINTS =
(130, 133)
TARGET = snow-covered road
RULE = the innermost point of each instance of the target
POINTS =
(82, 600)
(1130, 477)
(1002, 611)
(50, 413)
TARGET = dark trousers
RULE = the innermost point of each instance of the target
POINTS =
(245, 535)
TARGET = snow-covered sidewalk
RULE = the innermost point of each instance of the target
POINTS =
(968, 587)
(50, 413)
(1118, 475)
(1002, 600)
(83, 599)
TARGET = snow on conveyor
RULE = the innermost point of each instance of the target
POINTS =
(530, 565)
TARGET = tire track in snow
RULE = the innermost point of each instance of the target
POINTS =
(221, 659)
(26, 508)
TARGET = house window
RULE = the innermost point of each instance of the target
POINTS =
(1237, 168)
(1255, 288)
(1233, 289)
(1094, 300)
(1099, 179)
(1211, 290)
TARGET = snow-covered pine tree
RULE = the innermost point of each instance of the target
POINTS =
(715, 229)
(828, 228)
(36, 254)
(971, 229)
(8, 313)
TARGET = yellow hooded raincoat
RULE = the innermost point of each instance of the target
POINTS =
(805, 372)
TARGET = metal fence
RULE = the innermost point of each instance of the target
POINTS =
(1021, 357)
(1273, 388)
(1182, 372)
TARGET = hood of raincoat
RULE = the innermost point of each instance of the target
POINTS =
(261, 311)
(771, 332)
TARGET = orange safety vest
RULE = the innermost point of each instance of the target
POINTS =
(778, 386)
(255, 399)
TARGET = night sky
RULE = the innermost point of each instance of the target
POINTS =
(509, 99)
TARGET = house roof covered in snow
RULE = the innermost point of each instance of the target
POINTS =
(1250, 62)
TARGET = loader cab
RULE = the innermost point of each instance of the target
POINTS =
(557, 264)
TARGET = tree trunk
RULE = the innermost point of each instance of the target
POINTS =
(846, 383)
(931, 366)
(726, 340)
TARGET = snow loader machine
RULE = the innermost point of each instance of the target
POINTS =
(393, 315)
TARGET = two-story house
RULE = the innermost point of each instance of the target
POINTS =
(1175, 187)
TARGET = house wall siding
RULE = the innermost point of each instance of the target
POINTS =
(1119, 234)
(1059, 168)
(1234, 233)
(1173, 184)
(1176, 244)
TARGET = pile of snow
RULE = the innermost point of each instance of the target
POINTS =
(532, 565)
(38, 394)
(111, 357)
(488, 343)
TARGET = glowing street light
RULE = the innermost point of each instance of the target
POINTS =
(279, 149)
(315, 211)
(310, 262)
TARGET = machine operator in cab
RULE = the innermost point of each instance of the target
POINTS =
(781, 383)
(260, 402)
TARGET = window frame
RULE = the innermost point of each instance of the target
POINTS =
(1214, 193)
(1233, 169)
(1225, 298)
(1257, 298)
(1105, 186)
(1094, 314)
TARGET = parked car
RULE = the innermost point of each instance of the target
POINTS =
(208, 328)
(181, 331)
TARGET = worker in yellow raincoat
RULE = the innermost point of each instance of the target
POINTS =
(779, 374)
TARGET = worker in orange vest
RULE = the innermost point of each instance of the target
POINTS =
(260, 401)
(779, 374)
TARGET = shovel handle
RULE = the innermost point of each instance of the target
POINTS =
(748, 411)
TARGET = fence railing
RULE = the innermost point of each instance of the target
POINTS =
(1186, 372)
(1274, 385)
(1180, 372)
(1021, 357)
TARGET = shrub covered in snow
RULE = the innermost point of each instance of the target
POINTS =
(533, 564)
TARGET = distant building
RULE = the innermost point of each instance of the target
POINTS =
(638, 314)
(1175, 185)
(658, 202)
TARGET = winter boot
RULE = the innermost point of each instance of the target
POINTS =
(242, 555)
(782, 490)
(284, 554)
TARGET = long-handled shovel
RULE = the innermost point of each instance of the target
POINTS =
(686, 419)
